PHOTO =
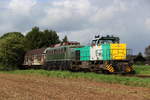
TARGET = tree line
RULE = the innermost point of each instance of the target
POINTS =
(13, 45)
(141, 59)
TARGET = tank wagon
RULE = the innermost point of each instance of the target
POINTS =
(106, 54)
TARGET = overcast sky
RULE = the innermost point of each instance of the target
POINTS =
(80, 20)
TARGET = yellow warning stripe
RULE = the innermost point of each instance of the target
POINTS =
(128, 69)
(110, 68)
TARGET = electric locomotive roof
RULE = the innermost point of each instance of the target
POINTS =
(65, 46)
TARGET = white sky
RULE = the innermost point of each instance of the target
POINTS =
(80, 20)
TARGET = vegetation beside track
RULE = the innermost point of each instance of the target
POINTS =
(142, 69)
(131, 81)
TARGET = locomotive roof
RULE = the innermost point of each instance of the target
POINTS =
(36, 51)
(104, 39)
(68, 46)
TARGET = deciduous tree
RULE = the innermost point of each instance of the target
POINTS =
(34, 38)
(37, 39)
(12, 50)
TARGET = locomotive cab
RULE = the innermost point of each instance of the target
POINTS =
(105, 40)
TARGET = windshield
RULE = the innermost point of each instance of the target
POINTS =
(105, 41)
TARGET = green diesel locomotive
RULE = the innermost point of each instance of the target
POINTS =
(105, 55)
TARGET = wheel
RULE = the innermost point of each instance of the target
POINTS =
(105, 72)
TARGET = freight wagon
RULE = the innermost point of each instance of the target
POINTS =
(34, 58)
(105, 55)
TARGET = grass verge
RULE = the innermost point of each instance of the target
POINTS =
(131, 81)
(142, 69)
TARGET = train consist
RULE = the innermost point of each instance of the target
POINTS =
(106, 54)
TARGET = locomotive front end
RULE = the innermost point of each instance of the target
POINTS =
(111, 54)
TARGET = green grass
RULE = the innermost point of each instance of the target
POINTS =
(142, 69)
(131, 81)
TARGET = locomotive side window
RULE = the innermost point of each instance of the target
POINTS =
(59, 51)
(64, 49)
(53, 51)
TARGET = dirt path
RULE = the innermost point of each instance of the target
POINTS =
(27, 87)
